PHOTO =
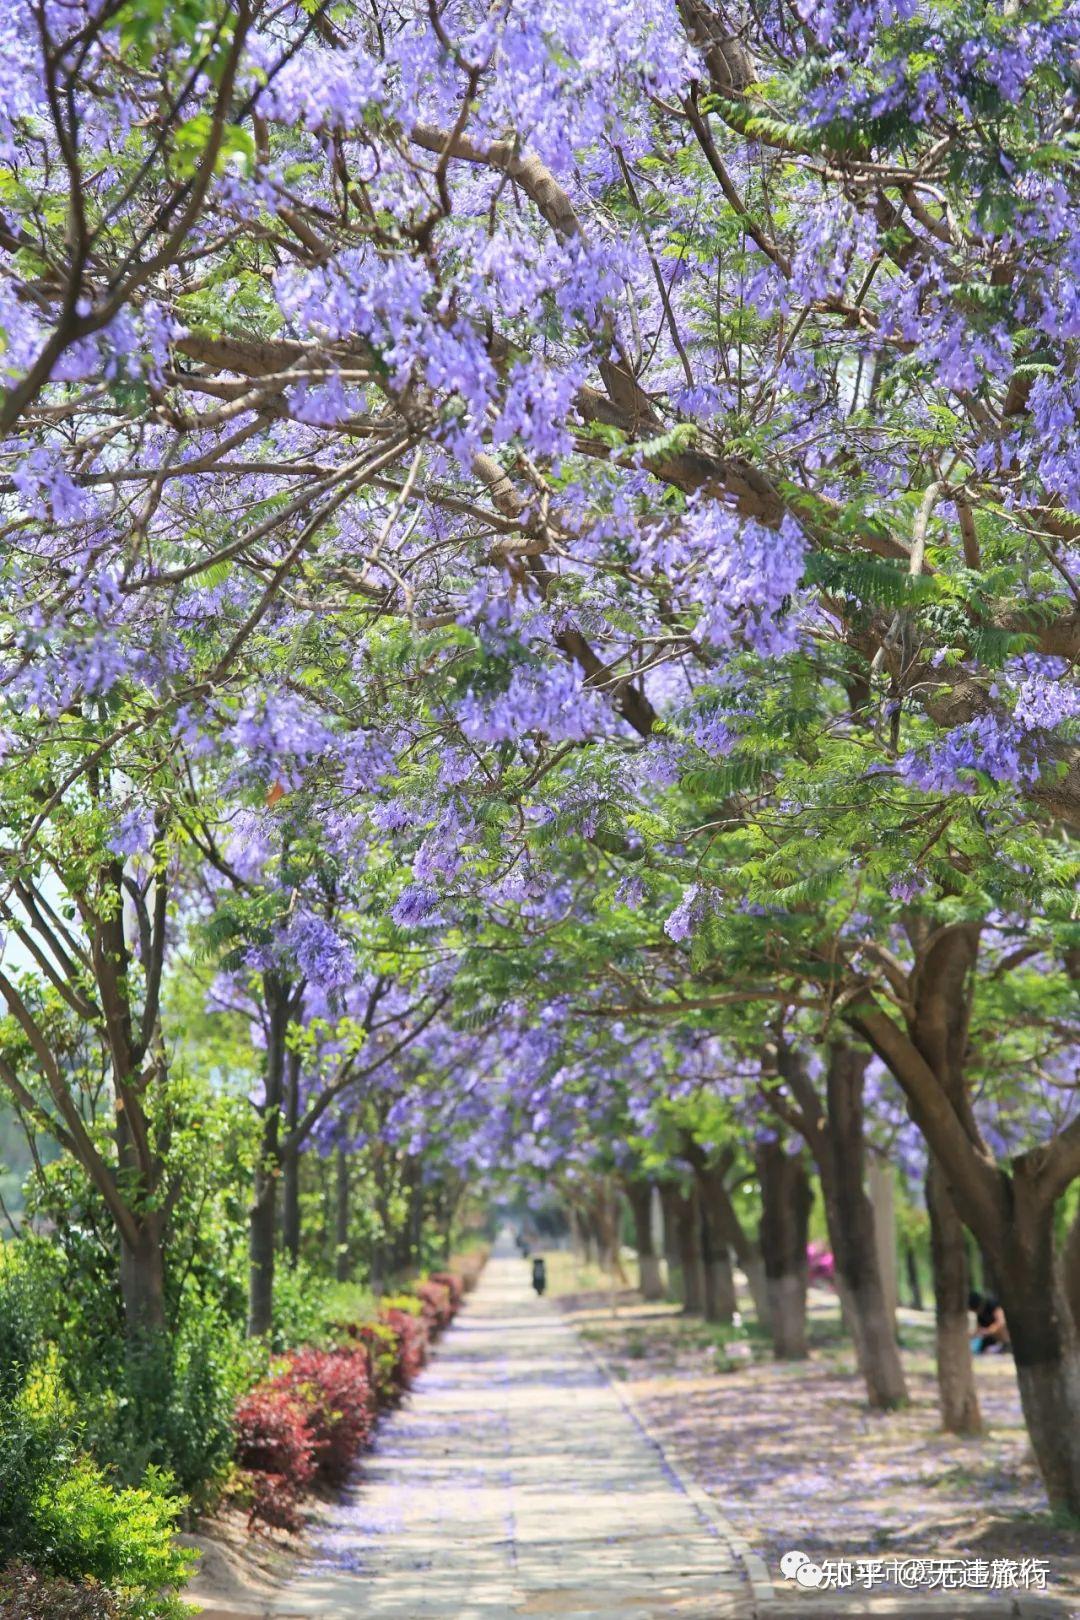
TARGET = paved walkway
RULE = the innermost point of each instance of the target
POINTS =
(515, 1482)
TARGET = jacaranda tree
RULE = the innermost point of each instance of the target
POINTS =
(613, 471)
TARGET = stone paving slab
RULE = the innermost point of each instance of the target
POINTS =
(516, 1483)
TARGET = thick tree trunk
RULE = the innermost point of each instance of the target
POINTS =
(836, 1139)
(720, 1301)
(142, 1282)
(1050, 1397)
(650, 1281)
(342, 1257)
(142, 1261)
(850, 1219)
(956, 1376)
(785, 1212)
(753, 1270)
(1045, 1340)
(881, 1188)
(942, 989)
(692, 1271)
(1070, 1261)
(1009, 1209)
(608, 1216)
(988, 1272)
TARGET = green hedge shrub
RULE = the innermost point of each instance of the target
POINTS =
(123, 1538)
(60, 1512)
(168, 1404)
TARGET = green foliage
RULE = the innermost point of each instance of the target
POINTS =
(402, 1302)
(166, 1403)
(124, 1538)
(348, 1302)
(61, 1512)
(302, 1307)
(20, 1323)
(34, 1446)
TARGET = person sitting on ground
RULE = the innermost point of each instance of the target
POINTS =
(993, 1330)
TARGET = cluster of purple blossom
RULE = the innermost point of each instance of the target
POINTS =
(989, 745)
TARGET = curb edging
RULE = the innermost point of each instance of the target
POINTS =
(762, 1591)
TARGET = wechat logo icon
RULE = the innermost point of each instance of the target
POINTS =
(798, 1567)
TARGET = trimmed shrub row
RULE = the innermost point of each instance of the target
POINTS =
(311, 1418)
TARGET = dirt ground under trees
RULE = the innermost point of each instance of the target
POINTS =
(793, 1458)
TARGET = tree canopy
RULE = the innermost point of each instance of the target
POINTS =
(539, 570)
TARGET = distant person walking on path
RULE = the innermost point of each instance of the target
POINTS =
(539, 1274)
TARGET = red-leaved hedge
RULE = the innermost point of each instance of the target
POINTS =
(382, 1345)
(435, 1303)
(274, 1444)
(334, 1391)
(412, 1344)
(454, 1286)
(316, 1412)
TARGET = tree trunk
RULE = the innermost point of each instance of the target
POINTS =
(592, 1239)
(720, 1301)
(1070, 1261)
(881, 1187)
(607, 1227)
(416, 1220)
(1009, 1209)
(142, 1281)
(290, 1204)
(142, 1262)
(956, 1375)
(262, 1232)
(342, 1257)
(290, 1162)
(650, 1281)
(836, 1140)
(669, 1203)
(746, 1251)
(688, 1234)
(988, 1272)
(785, 1213)
(261, 1242)
(850, 1219)
(1050, 1397)
(912, 1264)
(1045, 1341)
